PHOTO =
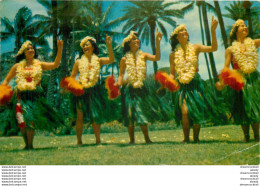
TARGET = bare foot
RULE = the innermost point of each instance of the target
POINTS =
(148, 141)
(245, 140)
(185, 141)
(79, 144)
(131, 143)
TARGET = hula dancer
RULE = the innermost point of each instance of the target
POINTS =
(32, 110)
(91, 105)
(246, 96)
(192, 100)
(139, 105)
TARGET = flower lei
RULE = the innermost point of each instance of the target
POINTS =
(28, 78)
(247, 60)
(89, 71)
(23, 47)
(185, 68)
(136, 71)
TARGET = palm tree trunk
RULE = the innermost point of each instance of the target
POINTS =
(152, 30)
(52, 81)
(206, 27)
(203, 42)
(221, 23)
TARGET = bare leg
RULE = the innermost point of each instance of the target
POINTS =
(255, 128)
(24, 134)
(131, 132)
(185, 122)
(30, 136)
(79, 127)
(196, 131)
(145, 132)
(96, 129)
(245, 129)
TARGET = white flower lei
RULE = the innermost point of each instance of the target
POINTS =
(136, 71)
(89, 71)
(185, 68)
(34, 72)
(246, 60)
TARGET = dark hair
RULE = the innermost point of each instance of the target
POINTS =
(174, 41)
(22, 56)
(94, 45)
(127, 45)
(233, 36)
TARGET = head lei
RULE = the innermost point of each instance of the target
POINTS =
(23, 47)
(176, 30)
(237, 23)
(83, 41)
(129, 37)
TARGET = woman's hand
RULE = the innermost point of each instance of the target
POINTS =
(108, 40)
(214, 25)
(59, 44)
(219, 85)
(158, 35)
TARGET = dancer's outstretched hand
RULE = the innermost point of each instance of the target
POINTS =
(59, 43)
(108, 40)
(158, 35)
(214, 25)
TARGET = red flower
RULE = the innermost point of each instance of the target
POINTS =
(166, 82)
(6, 94)
(29, 79)
(113, 91)
(232, 78)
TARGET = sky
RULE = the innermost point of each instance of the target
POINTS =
(8, 8)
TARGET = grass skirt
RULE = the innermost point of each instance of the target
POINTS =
(96, 106)
(141, 106)
(37, 113)
(203, 107)
(245, 104)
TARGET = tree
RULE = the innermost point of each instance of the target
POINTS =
(24, 28)
(208, 40)
(145, 16)
(221, 23)
(246, 11)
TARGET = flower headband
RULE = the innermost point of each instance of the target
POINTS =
(129, 37)
(176, 30)
(83, 41)
(23, 47)
(237, 23)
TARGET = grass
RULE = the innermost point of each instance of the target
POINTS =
(219, 145)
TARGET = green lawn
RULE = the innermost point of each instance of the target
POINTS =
(219, 145)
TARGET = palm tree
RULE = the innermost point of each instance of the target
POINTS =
(50, 27)
(221, 23)
(144, 16)
(198, 3)
(207, 32)
(246, 11)
(24, 28)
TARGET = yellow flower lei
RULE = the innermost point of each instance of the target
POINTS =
(247, 61)
(23, 47)
(89, 71)
(136, 71)
(34, 73)
(185, 68)
(176, 30)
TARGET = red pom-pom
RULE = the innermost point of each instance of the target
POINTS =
(72, 85)
(6, 94)
(113, 91)
(232, 78)
(166, 82)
